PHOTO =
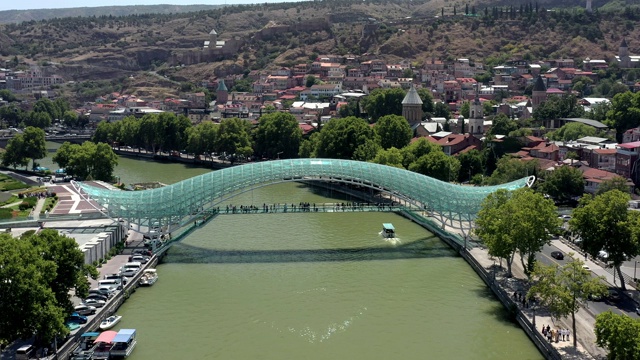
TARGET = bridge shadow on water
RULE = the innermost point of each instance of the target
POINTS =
(426, 247)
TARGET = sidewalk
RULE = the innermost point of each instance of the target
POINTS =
(586, 348)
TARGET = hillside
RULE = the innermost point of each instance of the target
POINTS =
(284, 34)
(17, 16)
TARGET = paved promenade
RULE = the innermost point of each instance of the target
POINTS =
(585, 319)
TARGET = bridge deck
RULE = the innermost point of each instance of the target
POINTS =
(309, 208)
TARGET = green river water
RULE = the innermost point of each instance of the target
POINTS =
(312, 286)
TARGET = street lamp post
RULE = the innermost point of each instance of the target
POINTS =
(635, 263)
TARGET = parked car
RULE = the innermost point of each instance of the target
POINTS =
(77, 318)
(140, 259)
(103, 292)
(116, 277)
(143, 252)
(97, 295)
(94, 302)
(84, 309)
(558, 255)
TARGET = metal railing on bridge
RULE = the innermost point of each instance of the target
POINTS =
(310, 208)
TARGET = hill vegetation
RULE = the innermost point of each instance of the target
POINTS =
(112, 47)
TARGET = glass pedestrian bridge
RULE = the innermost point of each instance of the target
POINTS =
(177, 205)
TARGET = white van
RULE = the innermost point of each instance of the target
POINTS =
(25, 352)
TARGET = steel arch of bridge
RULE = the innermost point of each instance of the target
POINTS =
(178, 204)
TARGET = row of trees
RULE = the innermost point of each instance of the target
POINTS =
(521, 222)
(37, 273)
(86, 161)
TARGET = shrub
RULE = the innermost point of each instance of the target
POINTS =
(24, 206)
(6, 213)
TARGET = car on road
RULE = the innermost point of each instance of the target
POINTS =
(97, 296)
(558, 255)
(85, 309)
(140, 259)
(94, 302)
(613, 295)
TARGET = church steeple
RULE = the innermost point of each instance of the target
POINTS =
(476, 116)
(412, 106)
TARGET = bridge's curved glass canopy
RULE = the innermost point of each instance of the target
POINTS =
(174, 204)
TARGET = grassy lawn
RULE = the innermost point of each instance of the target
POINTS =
(7, 183)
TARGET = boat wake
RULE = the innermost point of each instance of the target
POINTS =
(316, 336)
(390, 240)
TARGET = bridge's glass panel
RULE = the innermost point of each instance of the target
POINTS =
(170, 205)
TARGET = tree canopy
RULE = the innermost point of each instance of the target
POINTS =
(37, 272)
(616, 183)
(502, 125)
(518, 221)
(341, 137)
(605, 223)
(563, 183)
(619, 334)
(565, 106)
(87, 161)
(624, 113)
(383, 102)
(393, 131)
(278, 136)
(572, 131)
(563, 290)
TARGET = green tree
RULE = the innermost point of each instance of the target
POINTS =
(605, 223)
(70, 118)
(393, 131)
(438, 165)
(278, 136)
(563, 183)
(563, 290)
(427, 100)
(340, 137)
(471, 163)
(12, 114)
(368, 150)
(202, 138)
(383, 102)
(71, 272)
(14, 153)
(87, 161)
(510, 169)
(572, 131)
(565, 106)
(616, 183)
(518, 221)
(624, 113)
(308, 146)
(391, 157)
(465, 109)
(234, 138)
(38, 119)
(502, 125)
(619, 334)
(34, 146)
(441, 109)
(417, 149)
(7, 95)
(310, 81)
(28, 302)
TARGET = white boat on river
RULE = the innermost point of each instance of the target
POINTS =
(110, 322)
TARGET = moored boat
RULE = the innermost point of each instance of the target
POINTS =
(110, 322)
(123, 343)
(149, 277)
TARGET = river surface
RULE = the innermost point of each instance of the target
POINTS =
(312, 286)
